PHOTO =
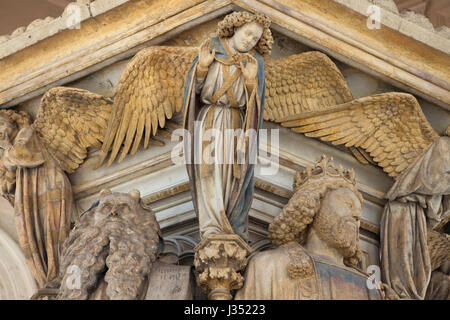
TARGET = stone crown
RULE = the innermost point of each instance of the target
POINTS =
(323, 168)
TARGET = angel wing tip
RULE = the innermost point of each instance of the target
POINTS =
(122, 157)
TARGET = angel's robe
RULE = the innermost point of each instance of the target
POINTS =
(221, 169)
(419, 199)
(268, 277)
(43, 205)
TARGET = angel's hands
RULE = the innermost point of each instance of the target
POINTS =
(205, 57)
(250, 70)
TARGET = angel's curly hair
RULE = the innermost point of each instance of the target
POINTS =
(20, 119)
(225, 28)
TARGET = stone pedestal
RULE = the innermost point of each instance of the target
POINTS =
(218, 260)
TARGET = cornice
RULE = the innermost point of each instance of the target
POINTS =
(120, 32)
(407, 22)
(40, 29)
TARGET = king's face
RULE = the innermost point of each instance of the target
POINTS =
(338, 220)
(347, 207)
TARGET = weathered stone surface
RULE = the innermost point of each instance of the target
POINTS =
(40, 72)
(166, 185)
(316, 240)
(170, 282)
(110, 253)
(218, 260)
(409, 23)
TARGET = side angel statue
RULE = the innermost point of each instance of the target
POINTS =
(33, 163)
(224, 89)
(394, 133)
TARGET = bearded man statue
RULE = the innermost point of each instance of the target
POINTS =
(110, 253)
(317, 243)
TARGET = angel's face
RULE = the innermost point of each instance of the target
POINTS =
(246, 37)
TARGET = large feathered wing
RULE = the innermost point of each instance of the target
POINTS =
(300, 83)
(390, 127)
(150, 91)
(71, 120)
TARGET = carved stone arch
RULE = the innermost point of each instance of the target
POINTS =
(179, 249)
(16, 281)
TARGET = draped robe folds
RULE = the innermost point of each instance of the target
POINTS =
(43, 206)
(419, 199)
(267, 277)
(222, 181)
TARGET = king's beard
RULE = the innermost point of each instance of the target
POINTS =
(339, 233)
(126, 250)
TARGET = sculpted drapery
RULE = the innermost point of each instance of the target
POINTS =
(158, 83)
(32, 171)
(220, 97)
(42, 202)
(418, 201)
(44, 211)
(221, 103)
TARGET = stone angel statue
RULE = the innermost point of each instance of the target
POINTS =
(226, 85)
(34, 162)
(395, 134)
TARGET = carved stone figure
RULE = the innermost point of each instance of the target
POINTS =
(317, 242)
(110, 253)
(393, 131)
(224, 90)
(419, 204)
(32, 167)
(228, 81)
(225, 84)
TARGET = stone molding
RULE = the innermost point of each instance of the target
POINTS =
(407, 22)
(124, 30)
(40, 29)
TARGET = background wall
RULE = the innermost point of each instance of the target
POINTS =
(18, 13)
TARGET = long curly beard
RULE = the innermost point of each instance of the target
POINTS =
(120, 246)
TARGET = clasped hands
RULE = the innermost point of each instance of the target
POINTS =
(206, 57)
